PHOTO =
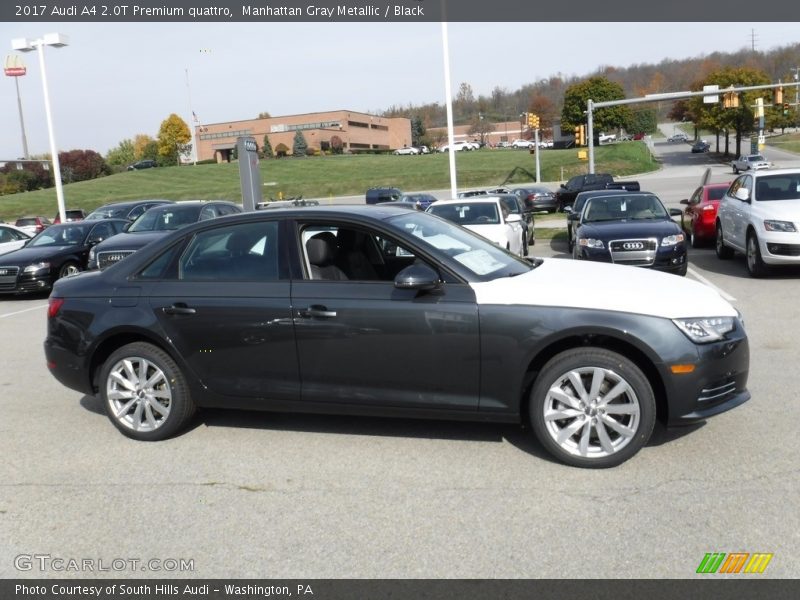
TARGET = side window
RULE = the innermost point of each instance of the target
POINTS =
(747, 182)
(224, 209)
(695, 199)
(208, 212)
(575, 182)
(735, 186)
(137, 211)
(100, 232)
(242, 252)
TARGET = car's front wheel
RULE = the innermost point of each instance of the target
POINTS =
(144, 392)
(67, 269)
(723, 252)
(755, 264)
(592, 407)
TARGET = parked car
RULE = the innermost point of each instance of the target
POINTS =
(460, 146)
(125, 210)
(155, 224)
(759, 216)
(537, 198)
(142, 164)
(382, 194)
(750, 162)
(515, 206)
(678, 137)
(488, 217)
(71, 214)
(406, 150)
(419, 201)
(12, 238)
(277, 325)
(565, 195)
(700, 146)
(699, 219)
(632, 228)
(56, 252)
(573, 212)
(424, 150)
(33, 225)
(503, 145)
(520, 143)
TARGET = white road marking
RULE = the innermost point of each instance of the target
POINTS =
(702, 279)
(19, 312)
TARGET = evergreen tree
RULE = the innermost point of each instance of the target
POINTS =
(299, 145)
(267, 148)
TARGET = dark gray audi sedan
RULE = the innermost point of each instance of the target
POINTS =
(318, 309)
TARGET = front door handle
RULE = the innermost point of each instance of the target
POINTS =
(316, 311)
(179, 308)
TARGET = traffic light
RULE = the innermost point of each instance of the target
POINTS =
(778, 96)
(580, 135)
(536, 121)
(785, 109)
(730, 100)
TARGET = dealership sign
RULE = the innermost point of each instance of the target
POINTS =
(14, 67)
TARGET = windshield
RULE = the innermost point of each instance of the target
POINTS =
(756, 158)
(778, 187)
(623, 208)
(55, 235)
(478, 255)
(472, 213)
(166, 218)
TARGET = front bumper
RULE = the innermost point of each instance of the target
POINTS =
(779, 248)
(671, 259)
(28, 283)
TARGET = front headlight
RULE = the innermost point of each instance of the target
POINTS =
(784, 226)
(91, 254)
(591, 243)
(672, 240)
(37, 267)
(705, 329)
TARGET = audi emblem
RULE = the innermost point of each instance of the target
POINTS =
(633, 246)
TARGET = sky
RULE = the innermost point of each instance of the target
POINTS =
(116, 80)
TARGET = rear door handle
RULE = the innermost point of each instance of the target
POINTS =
(179, 308)
(318, 311)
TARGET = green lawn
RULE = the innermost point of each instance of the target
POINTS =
(789, 142)
(326, 176)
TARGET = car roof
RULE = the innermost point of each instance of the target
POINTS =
(771, 172)
(132, 203)
(485, 198)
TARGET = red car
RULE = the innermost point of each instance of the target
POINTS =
(699, 218)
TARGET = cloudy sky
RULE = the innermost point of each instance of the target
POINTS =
(115, 80)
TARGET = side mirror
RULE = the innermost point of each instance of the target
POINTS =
(513, 218)
(127, 226)
(742, 194)
(685, 201)
(568, 210)
(93, 242)
(573, 216)
(417, 277)
(563, 186)
(675, 212)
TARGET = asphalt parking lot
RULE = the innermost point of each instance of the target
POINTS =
(297, 496)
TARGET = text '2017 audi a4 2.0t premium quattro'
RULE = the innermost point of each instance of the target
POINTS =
(318, 309)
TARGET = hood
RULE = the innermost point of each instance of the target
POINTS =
(783, 210)
(493, 233)
(27, 256)
(603, 286)
(130, 241)
(618, 230)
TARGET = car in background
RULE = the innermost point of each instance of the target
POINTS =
(488, 217)
(460, 146)
(33, 224)
(678, 137)
(58, 251)
(759, 216)
(376, 195)
(583, 356)
(125, 210)
(12, 238)
(406, 150)
(699, 218)
(631, 228)
(517, 207)
(503, 145)
(700, 146)
(537, 198)
(424, 150)
(520, 143)
(71, 214)
(419, 201)
(155, 224)
(142, 164)
(750, 162)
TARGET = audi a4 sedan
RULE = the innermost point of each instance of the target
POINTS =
(317, 309)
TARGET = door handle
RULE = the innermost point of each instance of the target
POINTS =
(316, 311)
(179, 308)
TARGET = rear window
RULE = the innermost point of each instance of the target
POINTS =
(25, 222)
(716, 193)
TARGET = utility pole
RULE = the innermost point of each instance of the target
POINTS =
(796, 94)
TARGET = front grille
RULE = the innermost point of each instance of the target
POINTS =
(717, 391)
(635, 252)
(784, 249)
(106, 259)
(8, 277)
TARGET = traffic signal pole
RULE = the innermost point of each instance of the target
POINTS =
(591, 105)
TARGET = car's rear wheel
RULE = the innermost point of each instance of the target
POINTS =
(67, 269)
(524, 244)
(144, 392)
(592, 407)
(723, 252)
(755, 264)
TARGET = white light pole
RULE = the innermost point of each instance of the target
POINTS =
(56, 40)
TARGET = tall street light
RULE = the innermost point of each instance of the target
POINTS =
(56, 40)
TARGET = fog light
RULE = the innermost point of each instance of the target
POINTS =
(40, 284)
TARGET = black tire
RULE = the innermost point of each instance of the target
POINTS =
(590, 436)
(695, 241)
(145, 414)
(723, 252)
(755, 264)
(68, 268)
(524, 244)
(684, 269)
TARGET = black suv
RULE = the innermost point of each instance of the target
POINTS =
(125, 210)
(142, 164)
(382, 194)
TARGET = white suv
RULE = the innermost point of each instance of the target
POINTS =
(759, 216)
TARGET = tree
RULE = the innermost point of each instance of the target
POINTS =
(417, 131)
(264, 115)
(479, 125)
(642, 120)
(82, 165)
(173, 139)
(299, 144)
(267, 148)
(599, 89)
(337, 147)
(123, 154)
(144, 147)
(544, 108)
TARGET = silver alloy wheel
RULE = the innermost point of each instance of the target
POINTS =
(69, 269)
(752, 254)
(591, 412)
(139, 394)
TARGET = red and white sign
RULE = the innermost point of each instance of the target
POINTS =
(14, 67)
